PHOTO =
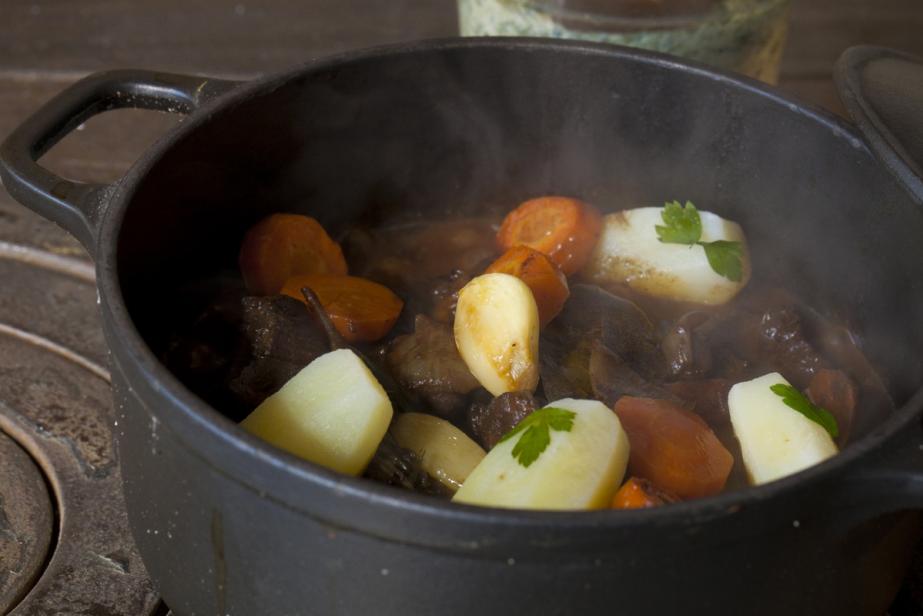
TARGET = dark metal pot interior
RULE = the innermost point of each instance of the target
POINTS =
(462, 128)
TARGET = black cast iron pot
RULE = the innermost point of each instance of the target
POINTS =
(229, 525)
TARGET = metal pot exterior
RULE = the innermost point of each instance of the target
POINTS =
(215, 546)
(226, 524)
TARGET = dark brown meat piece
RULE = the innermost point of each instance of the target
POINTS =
(427, 364)
(688, 355)
(611, 378)
(763, 333)
(593, 317)
(781, 341)
(405, 256)
(838, 344)
(397, 466)
(834, 391)
(283, 338)
(565, 370)
(209, 351)
(489, 422)
(445, 295)
(708, 398)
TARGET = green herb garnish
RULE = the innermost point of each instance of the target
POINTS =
(536, 433)
(725, 258)
(683, 225)
(798, 401)
(680, 226)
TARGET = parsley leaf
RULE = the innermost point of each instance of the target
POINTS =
(684, 226)
(681, 226)
(725, 258)
(797, 400)
(536, 435)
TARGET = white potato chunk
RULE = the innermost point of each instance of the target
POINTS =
(580, 469)
(775, 439)
(333, 412)
(496, 332)
(629, 252)
(445, 452)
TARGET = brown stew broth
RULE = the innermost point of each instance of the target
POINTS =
(605, 343)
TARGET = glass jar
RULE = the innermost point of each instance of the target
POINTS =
(746, 36)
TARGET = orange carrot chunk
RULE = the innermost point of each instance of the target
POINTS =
(541, 275)
(564, 229)
(637, 493)
(283, 245)
(361, 310)
(673, 447)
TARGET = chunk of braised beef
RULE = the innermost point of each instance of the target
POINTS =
(445, 295)
(408, 255)
(397, 466)
(834, 391)
(593, 316)
(283, 338)
(428, 365)
(708, 398)
(465, 245)
(489, 421)
(783, 341)
(208, 352)
(838, 343)
(611, 378)
(565, 368)
(761, 333)
(684, 347)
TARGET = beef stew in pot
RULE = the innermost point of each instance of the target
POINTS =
(557, 359)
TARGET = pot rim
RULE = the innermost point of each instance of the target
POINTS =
(177, 403)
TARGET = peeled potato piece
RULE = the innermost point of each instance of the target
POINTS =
(333, 412)
(496, 332)
(445, 452)
(775, 440)
(580, 469)
(629, 252)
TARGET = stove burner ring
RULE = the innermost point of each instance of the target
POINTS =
(60, 485)
(26, 523)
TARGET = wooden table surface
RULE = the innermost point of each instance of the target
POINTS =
(47, 44)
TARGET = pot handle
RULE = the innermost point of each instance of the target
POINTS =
(78, 206)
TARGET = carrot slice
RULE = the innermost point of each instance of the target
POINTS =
(361, 310)
(673, 447)
(283, 245)
(637, 493)
(565, 229)
(541, 275)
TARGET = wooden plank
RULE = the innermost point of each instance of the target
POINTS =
(245, 38)
(236, 38)
(820, 30)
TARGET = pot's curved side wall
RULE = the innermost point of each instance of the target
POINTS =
(216, 547)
